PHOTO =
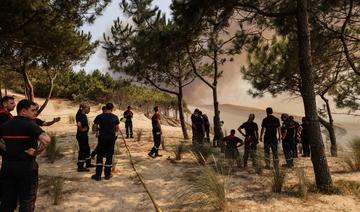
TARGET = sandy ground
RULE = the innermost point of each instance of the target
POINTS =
(246, 191)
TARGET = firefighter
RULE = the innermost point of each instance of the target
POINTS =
(20, 170)
(106, 125)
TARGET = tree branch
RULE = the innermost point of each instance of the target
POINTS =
(158, 87)
(195, 69)
(346, 50)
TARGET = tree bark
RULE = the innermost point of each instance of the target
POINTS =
(181, 111)
(332, 136)
(318, 157)
(51, 79)
(330, 127)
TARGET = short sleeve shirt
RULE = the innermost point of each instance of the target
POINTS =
(19, 135)
(82, 118)
(250, 129)
(39, 121)
(270, 123)
(107, 123)
(232, 141)
(291, 127)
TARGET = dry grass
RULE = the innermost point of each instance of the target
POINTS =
(303, 183)
(352, 159)
(179, 149)
(56, 188)
(348, 187)
(71, 119)
(278, 179)
(207, 188)
(139, 133)
(201, 153)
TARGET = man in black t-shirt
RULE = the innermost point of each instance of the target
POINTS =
(271, 126)
(251, 139)
(231, 143)
(7, 105)
(83, 138)
(128, 115)
(20, 170)
(106, 125)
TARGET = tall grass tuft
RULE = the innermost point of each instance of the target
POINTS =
(179, 149)
(71, 119)
(259, 164)
(57, 188)
(207, 188)
(353, 158)
(201, 153)
(303, 183)
(278, 180)
(139, 134)
(52, 152)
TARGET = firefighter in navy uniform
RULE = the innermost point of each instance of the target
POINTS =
(155, 121)
(20, 170)
(128, 115)
(251, 139)
(271, 126)
(106, 126)
(287, 133)
(83, 138)
(231, 143)
(7, 105)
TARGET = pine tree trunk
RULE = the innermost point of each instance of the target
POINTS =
(29, 89)
(181, 111)
(51, 79)
(330, 128)
(217, 127)
(318, 157)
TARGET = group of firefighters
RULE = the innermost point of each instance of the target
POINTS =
(23, 139)
(289, 133)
